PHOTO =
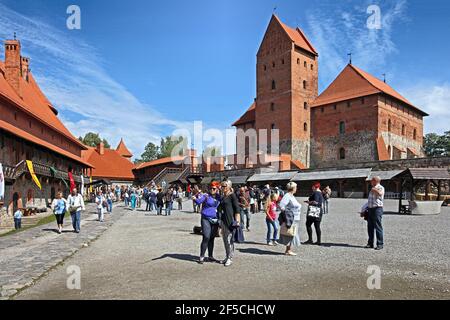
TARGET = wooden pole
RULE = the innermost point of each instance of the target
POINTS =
(400, 198)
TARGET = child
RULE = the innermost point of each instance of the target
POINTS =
(271, 218)
(18, 219)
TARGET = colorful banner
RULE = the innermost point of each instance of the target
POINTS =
(2, 183)
(72, 182)
(82, 185)
(90, 186)
(33, 175)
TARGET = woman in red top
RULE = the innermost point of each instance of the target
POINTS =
(271, 219)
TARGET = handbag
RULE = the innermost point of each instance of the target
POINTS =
(314, 211)
(289, 232)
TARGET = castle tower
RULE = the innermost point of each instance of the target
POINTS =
(287, 84)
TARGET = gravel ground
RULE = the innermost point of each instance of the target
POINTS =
(150, 257)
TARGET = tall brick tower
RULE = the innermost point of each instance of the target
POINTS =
(287, 84)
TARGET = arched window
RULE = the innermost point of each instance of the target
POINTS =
(305, 105)
(415, 134)
(273, 126)
(304, 84)
(273, 64)
(272, 106)
(265, 67)
(389, 125)
(305, 64)
(298, 60)
(341, 153)
(282, 61)
(274, 85)
(312, 67)
(403, 129)
(305, 126)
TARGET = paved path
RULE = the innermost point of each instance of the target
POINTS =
(28, 255)
(150, 257)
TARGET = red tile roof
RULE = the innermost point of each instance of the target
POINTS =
(248, 116)
(29, 137)
(160, 161)
(109, 165)
(297, 36)
(352, 83)
(123, 150)
(35, 103)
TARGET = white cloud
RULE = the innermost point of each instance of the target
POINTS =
(434, 99)
(70, 73)
(337, 30)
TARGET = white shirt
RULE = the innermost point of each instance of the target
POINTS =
(76, 201)
(290, 203)
(375, 200)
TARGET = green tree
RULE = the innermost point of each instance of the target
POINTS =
(151, 152)
(172, 146)
(437, 145)
(93, 139)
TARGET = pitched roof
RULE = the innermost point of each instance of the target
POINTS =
(297, 36)
(29, 137)
(160, 161)
(352, 83)
(34, 102)
(248, 116)
(123, 150)
(110, 164)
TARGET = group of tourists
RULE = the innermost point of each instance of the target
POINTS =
(226, 212)
(155, 197)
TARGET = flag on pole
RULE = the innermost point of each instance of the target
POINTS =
(72, 181)
(33, 175)
(2, 183)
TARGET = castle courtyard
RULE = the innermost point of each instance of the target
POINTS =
(138, 256)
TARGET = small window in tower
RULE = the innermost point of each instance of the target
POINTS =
(265, 67)
(389, 125)
(272, 126)
(341, 153)
(335, 106)
(272, 106)
(273, 64)
(304, 84)
(298, 60)
(342, 127)
(305, 126)
(312, 67)
(282, 61)
(305, 64)
(403, 129)
(305, 105)
(274, 85)
(415, 134)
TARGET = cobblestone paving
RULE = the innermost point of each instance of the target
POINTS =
(154, 257)
(27, 255)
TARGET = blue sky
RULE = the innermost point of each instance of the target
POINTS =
(140, 69)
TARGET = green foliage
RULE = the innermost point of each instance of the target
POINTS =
(437, 145)
(169, 146)
(213, 151)
(93, 139)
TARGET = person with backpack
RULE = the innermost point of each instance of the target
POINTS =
(59, 207)
(76, 205)
(209, 221)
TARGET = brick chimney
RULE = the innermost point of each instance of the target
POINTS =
(25, 65)
(13, 64)
(101, 148)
